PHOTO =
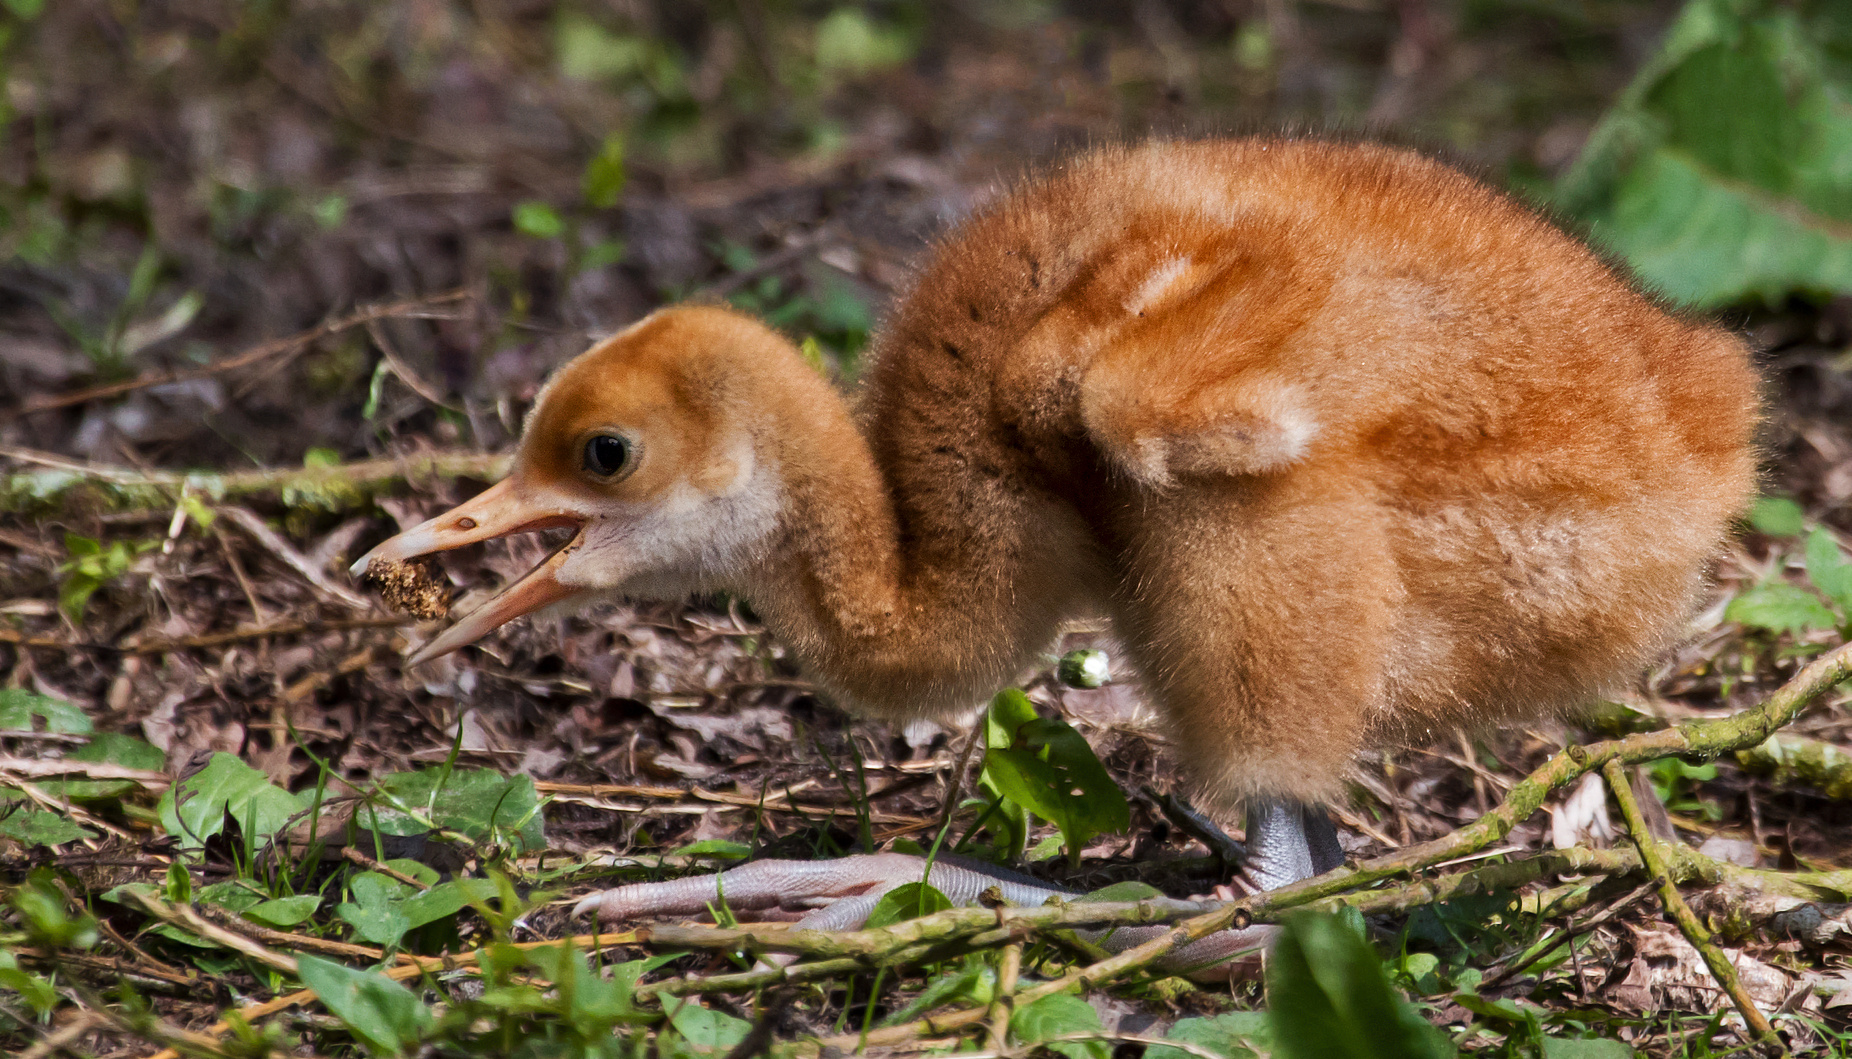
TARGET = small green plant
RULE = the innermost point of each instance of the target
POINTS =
(828, 308)
(1044, 766)
(1330, 998)
(538, 219)
(605, 174)
(1676, 783)
(91, 566)
(1779, 606)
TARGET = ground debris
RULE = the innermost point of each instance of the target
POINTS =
(412, 587)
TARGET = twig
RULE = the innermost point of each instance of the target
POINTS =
(63, 1037)
(877, 946)
(1003, 1005)
(1187, 819)
(1796, 760)
(403, 370)
(1700, 738)
(410, 967)
(309, 685)
(1651, 853)
(261, 351)
(355, 856)
(89, 770)
(62, 807)
(188, 920)
(119, 489)
(1707, 738)
(207, 640)
(275, 543)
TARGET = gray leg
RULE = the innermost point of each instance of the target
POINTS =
(1288, 842)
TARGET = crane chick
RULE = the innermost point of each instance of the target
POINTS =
(1349, 447)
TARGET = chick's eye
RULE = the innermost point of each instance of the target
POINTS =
(606, 454)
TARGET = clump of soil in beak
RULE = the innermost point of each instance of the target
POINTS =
(411, 587)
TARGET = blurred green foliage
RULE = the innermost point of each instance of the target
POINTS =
(1724, 172)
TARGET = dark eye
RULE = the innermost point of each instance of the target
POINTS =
(606, 454)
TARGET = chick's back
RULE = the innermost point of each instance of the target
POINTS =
(1520, 465)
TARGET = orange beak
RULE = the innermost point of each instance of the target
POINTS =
(498, 511)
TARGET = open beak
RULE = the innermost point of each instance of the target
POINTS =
(498, 511)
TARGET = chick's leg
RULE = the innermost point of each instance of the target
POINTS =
(1288, 842)
(811, 886)
(839, 895)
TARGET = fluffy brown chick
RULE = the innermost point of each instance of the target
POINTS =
(1348, 446)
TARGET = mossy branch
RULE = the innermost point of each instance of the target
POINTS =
(1702, 739)
(59, 484)
(1653, 855)
(1797, 761)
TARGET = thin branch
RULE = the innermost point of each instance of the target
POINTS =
(1651, 853)
(261, 351)
(334, 488)
(1705, 738)
(207, 640)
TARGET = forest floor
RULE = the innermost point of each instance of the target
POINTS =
(246, 248)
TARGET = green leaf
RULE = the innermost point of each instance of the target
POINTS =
(111, 748)
(1130, 890)
(538, 219)
(1060, 1015)
(35, 990)
(591, 1002)
(177, 884)
(27, 10)
(1777, 516)
(717, 848)
(284, 911)
(1009, 710)
(1423, 971)
(973, 982)
(706, 1029)
(605, 175)
(194, 809)
(1330, 999)
(1828, 570)
(1725, 171)
(1499, 1009)
(197, 510)
(603, 254)
(1237, 1035)
(586, 51)
(384, 909)
(383, 1014)
(21, 709)
(329, 211)
(45, 914)
(906, 901)
(849, 42)
(232, 895)
(1780, 607)
(478, 803)
(38, 827)
(812, 352)
(1048, 768)
(377, 911)
(1586, 1048)
(74, 594)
